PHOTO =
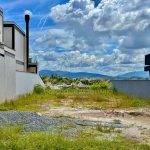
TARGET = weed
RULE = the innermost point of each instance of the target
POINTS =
(60, 95)
(114, 89)
(66, 127)
(118, 131)
(105, 128)
(38, 89)
(117, 120)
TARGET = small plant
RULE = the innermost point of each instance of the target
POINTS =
(60, 95)
(45, 79)
(105, 128)
(67, 127)
(114, 89)
(118, 131)
(117, 120)
(38, 89)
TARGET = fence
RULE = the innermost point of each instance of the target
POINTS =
(140, 88)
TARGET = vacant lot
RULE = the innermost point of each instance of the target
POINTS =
(96, 117)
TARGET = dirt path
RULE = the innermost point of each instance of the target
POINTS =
(136, 122)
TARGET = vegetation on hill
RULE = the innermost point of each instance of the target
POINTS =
(55, 79)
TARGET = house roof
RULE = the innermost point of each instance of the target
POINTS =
(11, 24)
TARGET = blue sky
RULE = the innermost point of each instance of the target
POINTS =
(101, 36)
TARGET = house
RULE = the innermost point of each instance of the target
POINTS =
(18, 74)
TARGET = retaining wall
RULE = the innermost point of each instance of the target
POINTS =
(7, 77)
(25, 82)
(140, 88)
(14, 83)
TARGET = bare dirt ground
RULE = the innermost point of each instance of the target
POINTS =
(136, 122)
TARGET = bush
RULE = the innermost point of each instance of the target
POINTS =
(114, 89)
(102, 85)
(38, 89)
(45, 79)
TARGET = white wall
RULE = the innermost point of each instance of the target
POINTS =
(1, 26)
(8, 36)
(13, 86)
(32, 69)
(25, 82)
(2, 77)
(19, 67)
(10, 76)
(7, 77)
(19, 46)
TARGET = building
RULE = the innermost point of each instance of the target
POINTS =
(147, 64)
(18, 74)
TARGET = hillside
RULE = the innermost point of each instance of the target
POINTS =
(136, 74)
(73, 74)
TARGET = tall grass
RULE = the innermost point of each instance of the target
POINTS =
(99, 94)
(29, 101)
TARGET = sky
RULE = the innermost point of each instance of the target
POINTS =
(109, 37)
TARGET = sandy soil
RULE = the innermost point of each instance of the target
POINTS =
(137, 122)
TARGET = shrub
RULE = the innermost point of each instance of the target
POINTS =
(102, 85)
(38, 89)
(44, 78)
(114, 89)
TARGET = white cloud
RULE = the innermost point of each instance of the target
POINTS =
(56, 38)
(94, 29)
(110, 18)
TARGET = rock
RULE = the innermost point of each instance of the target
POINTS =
(39, 114)
(96, 108)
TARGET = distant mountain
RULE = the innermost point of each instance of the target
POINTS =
(136, 74)
(73, 74)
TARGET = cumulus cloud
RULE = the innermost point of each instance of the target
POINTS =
(55, 38)
(93, 25)
(110, 18)
(136, 41)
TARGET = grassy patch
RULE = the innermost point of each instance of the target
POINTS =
(28, 101)
(15, 138)
(99, 95)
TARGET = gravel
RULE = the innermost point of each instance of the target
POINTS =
(32, 121)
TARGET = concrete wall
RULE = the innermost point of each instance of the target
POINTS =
(19, 46)
(10, 76)
(2, 77)
(25, 82)
(32, 69)
(8, 36)
(7, 77)
(140, 88)
(14, 84)
(19, 67)
(1, 25)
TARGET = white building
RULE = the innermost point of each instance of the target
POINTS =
(18, 74)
